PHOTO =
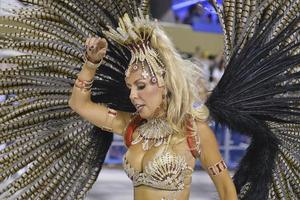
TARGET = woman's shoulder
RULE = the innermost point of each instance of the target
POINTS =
(199, 112)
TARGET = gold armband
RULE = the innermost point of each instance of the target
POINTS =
(217, 168)
(110, 116)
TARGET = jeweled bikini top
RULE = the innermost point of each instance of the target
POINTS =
(167, 170)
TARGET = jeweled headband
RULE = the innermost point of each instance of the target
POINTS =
(136, 36)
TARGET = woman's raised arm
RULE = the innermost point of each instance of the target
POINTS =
(80, 100)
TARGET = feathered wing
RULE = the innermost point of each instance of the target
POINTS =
(63, 153)
(259, 94)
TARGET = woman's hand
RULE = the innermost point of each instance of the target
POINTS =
(95, 49)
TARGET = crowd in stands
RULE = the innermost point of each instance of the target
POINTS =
(197, 14)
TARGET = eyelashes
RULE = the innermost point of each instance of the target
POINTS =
(140, 87)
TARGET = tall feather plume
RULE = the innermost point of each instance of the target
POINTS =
(258, 95)
(145, 7)
(240, 19)
(61, 153)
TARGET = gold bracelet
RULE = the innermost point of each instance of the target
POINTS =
(90, 64)
(84, 84)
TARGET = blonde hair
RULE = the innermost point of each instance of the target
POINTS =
(183, 79)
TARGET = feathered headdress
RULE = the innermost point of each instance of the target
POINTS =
(136, 35)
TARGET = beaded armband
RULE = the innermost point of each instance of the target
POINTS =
(217, 168)
(84, 84)
(110, 116)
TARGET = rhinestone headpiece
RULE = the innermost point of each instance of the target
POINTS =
(136, 36)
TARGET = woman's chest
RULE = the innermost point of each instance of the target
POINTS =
(166, 155)
(139, 158)
(162, 167)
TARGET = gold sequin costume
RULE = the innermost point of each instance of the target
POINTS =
(166, 172)
(258, 94)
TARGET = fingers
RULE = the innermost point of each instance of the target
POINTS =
(96, 48)
(90, 44)
(101, 44)
(96, 43)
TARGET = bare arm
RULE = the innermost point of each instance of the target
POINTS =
(210, 156)
(80, 100)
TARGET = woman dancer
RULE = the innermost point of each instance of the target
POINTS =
(63, 151)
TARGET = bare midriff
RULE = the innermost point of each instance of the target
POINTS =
(148, 193)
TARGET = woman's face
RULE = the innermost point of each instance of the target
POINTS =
(146, 96)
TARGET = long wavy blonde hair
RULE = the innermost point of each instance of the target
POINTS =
(183, 79)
